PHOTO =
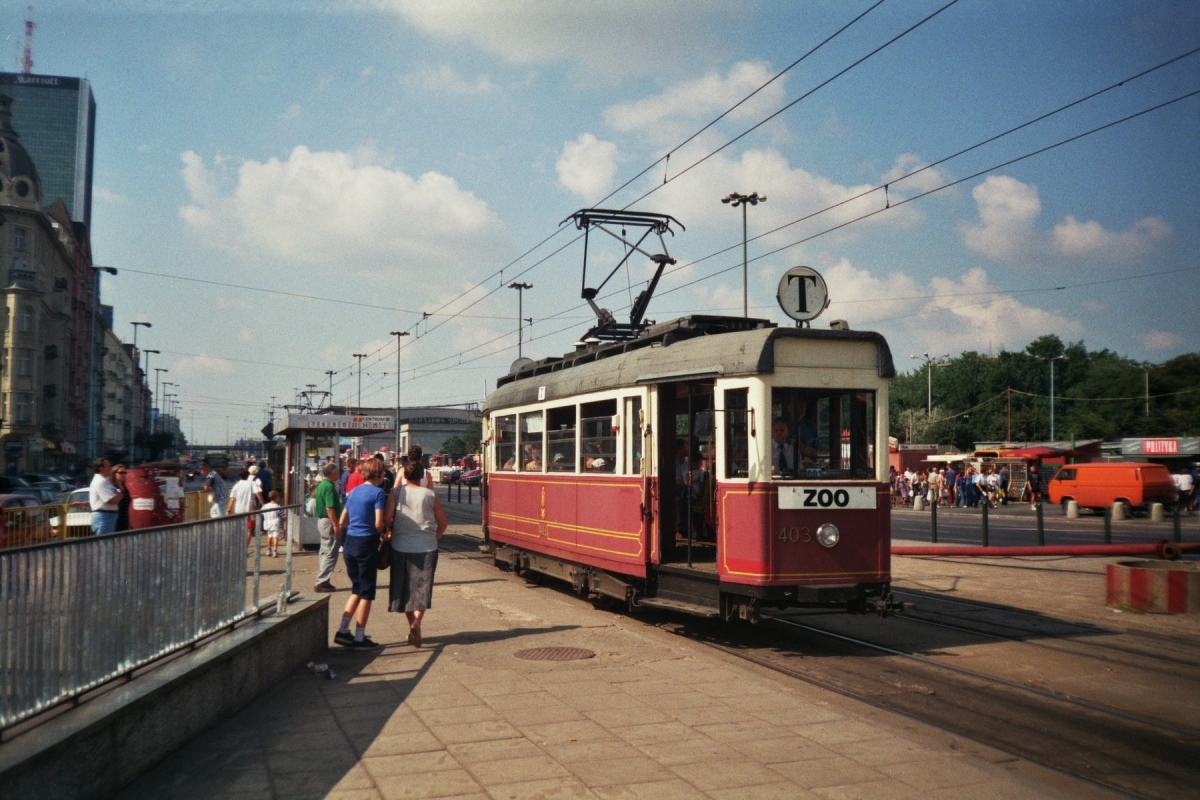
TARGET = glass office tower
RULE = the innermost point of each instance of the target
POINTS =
(56, 120)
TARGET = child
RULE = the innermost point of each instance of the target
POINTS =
(273, 523)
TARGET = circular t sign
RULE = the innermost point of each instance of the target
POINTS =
(802, 294)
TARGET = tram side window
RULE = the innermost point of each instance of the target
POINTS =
(506, 443)
(737, 433)
(531, 426)
(599, 441)
(822, 434)
(560, 439)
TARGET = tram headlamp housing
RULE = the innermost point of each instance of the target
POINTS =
(828, 535)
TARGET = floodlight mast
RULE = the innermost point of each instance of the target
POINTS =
(607, 327)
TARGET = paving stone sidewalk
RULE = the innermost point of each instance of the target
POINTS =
(650, 716)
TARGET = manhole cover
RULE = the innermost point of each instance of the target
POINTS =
(555, 654)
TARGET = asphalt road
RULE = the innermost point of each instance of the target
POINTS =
(1007, 526)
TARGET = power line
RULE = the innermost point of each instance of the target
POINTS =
(804, 96)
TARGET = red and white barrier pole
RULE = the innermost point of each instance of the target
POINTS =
(1162, 549)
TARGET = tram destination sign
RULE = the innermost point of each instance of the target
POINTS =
(336, 422)
(802, 294)
(826, 498)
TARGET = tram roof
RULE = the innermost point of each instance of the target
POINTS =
(683, 349)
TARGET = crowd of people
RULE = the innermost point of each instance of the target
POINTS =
(965, 488)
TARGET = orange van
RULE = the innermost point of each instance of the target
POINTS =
(1098, 485)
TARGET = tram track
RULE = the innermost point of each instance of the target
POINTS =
(1129, 753)
(1075, 637)
(1086, 738)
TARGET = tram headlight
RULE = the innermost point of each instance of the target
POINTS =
(828, 535)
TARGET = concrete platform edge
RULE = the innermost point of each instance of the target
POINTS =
(95, 749)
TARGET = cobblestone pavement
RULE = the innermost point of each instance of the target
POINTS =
(649, 716)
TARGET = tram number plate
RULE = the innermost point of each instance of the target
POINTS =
(826, 498)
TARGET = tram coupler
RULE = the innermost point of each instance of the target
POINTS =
(887, 605)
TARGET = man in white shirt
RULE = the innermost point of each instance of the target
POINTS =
(103, 497)
(782, 454)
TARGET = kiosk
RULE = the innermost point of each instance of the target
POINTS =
(312, 439)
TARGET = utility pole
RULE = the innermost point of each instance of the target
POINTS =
(399, 337)
(330, 373)
(520, 286)
(744, 200)
(360, 357)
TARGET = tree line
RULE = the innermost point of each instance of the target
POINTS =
(1097, 395)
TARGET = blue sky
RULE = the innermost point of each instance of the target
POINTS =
(396, 154)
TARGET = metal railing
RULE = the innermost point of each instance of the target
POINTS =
(79, 612)
(21, 526)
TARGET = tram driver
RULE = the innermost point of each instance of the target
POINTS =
(791, 434)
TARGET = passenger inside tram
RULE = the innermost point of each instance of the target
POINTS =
(533, 458)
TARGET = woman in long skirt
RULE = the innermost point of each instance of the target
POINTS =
(417, 521)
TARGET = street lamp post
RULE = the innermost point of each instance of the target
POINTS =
(158, 371)
(330, 373)
(137, 390)
(1052, 359)
(399, 337)
(520, 286)
(146, 375)
(360, 357)
(929, 361)
(743, 200)
(93, 400)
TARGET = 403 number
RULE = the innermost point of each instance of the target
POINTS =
(795, 535)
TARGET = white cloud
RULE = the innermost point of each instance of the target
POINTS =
(336, 208)
(442, 79)
(105, 196)
(791, 192)
(701, 98)
(1090, 239)
(950, 315)
(293, 111)
(587, 167)
(857, 295)
(202, 365)
(613, 38)
(1007, 210)
(1007, 231)
(923, 181)
(970, 318)
(1160, 340)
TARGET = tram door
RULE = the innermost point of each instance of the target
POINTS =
(686, 460)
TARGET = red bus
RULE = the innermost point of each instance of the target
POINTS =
(710, 465)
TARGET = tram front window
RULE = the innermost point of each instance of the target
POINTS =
(822, 434)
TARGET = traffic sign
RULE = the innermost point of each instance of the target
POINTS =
(802, 294)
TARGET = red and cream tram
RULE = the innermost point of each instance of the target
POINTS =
(711, 465)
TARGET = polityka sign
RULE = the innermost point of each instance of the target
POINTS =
(802, 294)
(336, 422)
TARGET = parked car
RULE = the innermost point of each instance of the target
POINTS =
(10, 482)
(79, 514)
(22, 522)
(1100, 484)
(45, 494)
(471, 477)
